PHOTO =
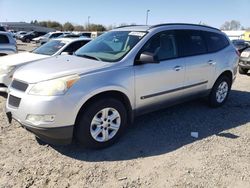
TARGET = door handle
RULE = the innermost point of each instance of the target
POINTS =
(211, 62)
(177, 68)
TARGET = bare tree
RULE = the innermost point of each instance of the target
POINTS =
(231, 25)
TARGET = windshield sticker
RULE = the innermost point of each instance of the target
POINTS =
(139, 34)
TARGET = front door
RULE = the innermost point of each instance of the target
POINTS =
(158, 83)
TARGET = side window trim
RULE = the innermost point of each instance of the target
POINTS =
(155, 35)
(203, 38)
(215, 51)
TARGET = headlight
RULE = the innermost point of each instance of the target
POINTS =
(54, 87)
(6, 69)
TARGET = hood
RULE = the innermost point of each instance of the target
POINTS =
(58, 66)
(20, 58)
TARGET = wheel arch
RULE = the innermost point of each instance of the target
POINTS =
(227, 73)
(121, 96)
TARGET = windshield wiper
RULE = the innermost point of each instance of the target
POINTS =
(90, 57)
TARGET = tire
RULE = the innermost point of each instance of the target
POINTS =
(218, 96)
(27, 40)
(85, 127)
(243, 71)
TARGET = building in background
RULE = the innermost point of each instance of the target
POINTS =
(247, 35)
(23, 26)
(235, 34)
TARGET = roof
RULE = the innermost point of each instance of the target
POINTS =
(5, 33)
(147, 28)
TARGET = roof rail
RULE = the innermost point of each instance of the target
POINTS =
(128, 26)
(167, 24)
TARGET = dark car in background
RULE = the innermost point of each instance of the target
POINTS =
(2, 28)
(244, 63)
(29, 36)
(240, 45)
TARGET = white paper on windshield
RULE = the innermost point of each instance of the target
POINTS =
(245, 54)
(136, 33)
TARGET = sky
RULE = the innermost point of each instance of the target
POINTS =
(114, 12)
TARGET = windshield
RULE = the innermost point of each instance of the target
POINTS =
(111, 46)
(50, 48)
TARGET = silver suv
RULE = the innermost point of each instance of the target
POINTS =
(96, 93)
(7, 44)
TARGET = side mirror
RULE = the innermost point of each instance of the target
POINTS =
(66, 53)
(147, 57)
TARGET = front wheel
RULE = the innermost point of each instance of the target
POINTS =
(220, 91)
(101, 124)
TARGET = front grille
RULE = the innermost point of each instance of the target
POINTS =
(14, 101)
(18, 85)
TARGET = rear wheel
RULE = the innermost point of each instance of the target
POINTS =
(220, 91)
(243, 71)
(101, 124)
(27, 40)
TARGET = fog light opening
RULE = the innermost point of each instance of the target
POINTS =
(39, 119)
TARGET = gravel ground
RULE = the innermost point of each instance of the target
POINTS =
(157, 151)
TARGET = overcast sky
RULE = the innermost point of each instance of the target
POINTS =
(114, 12)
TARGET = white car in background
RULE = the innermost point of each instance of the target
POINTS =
(7, 44)
(45, 38)
(9, 64)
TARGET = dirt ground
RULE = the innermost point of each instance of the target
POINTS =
(157, 151)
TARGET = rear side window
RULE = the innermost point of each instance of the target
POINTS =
(162, 45)
(75, 46)
(4, 39)
(190, 42)
(215, 41)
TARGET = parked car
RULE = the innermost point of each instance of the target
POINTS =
(29, 36)
(244, 64)
(2, 28)
(8, 65)
(240, 45)
(19, 34)
(45, 38)
(122, 73)
(85, 34)
(69, 35)
(7, 44)
(50, 36)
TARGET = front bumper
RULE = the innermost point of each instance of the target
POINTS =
(60, 130)
(244, 64)
(57, 136)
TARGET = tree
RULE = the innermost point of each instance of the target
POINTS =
(231, 25)
(68, 26)
(96, 27)
(78, 28)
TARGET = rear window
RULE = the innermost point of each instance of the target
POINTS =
(4, 39)
(215, 41)
(190, 42)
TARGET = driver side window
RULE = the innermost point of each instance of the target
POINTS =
(162, 45)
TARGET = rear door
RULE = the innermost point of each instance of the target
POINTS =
(200, 66)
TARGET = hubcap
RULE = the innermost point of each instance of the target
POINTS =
(221, 92)
(105, 124)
